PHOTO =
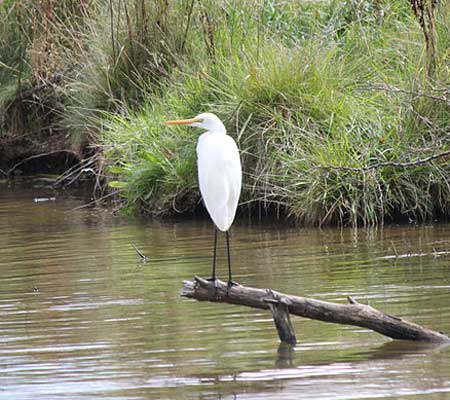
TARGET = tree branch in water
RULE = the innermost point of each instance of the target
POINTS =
(353, 313)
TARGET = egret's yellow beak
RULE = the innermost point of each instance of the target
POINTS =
(183, 121)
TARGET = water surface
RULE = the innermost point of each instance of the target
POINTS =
(82, 318)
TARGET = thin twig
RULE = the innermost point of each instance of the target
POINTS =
(397, 164)
(143, 257)
(95, 201)
(14, 167)
(73, 173)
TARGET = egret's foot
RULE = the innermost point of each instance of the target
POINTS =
(230, 284)
(214, 280)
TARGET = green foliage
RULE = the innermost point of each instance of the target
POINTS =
(156, 168)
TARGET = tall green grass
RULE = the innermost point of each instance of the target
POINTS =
(330, 103)
(321, 99)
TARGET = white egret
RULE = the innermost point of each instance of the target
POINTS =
(219, 176)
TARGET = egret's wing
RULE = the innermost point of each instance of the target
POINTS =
(220, 176)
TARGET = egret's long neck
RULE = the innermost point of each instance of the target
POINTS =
(218, 127)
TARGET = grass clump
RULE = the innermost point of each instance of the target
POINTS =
(334, 117)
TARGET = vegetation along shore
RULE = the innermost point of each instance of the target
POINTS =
(341, 108)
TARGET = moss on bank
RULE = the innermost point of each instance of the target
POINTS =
(331, 102)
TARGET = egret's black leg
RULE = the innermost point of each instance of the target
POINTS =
(228, 254)
(213, 276)
(230, 280)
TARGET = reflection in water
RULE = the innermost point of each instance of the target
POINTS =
(285, 358)
(82, 317)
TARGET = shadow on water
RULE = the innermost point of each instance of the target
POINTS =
(81, 317)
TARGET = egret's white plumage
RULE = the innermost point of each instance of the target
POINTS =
(219, 171)
(219, 176)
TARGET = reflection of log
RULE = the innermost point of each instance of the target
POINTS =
(349, 314)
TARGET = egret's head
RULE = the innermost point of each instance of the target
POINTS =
(207, 121)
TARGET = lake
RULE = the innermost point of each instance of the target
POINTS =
(81, 317)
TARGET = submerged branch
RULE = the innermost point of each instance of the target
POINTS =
(141, 255)
(96, 201)
(353, 313)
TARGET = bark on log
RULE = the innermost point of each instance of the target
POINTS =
(353, 313)
(281, 319)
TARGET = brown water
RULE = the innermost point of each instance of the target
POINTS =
(82, 318)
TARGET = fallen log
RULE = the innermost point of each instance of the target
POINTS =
(353, 313)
